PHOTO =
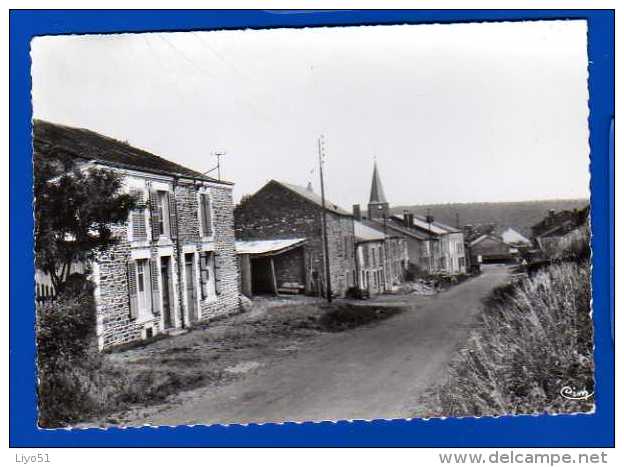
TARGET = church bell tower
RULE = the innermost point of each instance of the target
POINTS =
(378, 207)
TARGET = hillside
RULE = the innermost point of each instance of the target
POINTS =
(519, 215)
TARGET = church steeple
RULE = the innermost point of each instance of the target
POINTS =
(377, 194)
(378, 207)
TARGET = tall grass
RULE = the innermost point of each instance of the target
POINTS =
(533, 338)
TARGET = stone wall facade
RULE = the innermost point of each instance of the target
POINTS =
(118, 321)
(275, 212)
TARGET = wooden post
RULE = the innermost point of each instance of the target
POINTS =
(274, 277)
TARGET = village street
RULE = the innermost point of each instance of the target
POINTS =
(376, 371)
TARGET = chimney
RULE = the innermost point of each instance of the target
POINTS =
(411, 220)
(406, 215)
(357, 212)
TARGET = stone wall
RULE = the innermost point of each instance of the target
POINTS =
(275, 212)
(289, 267)
(226, 264)
(115, 326)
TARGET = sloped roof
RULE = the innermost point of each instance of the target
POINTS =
(313, 197)
(511, 235)
(264, 247)
(377, 194)
(478, 240)
(396, 227)
(435, 227)
(91, 146)
(365, 233)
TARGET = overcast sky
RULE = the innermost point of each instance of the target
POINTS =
(452, 113)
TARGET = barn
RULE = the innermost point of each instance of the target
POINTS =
(491, 249)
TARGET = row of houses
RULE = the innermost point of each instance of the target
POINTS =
(186, 253)
(371, 251)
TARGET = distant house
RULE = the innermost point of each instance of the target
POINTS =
(282, 211)
(432, 247)
(557, 223)
(562, 231)
(513, 237)
(175, 263)
(443, 250)
(491, 249)
(381, 258)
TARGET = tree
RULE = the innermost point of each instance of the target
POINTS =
(75, 213)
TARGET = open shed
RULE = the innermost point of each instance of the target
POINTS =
(272, 266)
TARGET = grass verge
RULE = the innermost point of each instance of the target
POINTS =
(533, 340)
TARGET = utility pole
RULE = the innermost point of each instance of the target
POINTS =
(328, 290)
(429, 220)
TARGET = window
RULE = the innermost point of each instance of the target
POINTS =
(365, 255)
(207, 275)
(162, 207)
(205, 214)
(142, 285)
(462, 263)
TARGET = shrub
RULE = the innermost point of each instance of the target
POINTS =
(76, 382)
(533, 339)
(65, 355)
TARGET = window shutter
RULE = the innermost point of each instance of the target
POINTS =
(154, 280)
(155, 215)
(217, 274)
(204, 274)
(173, 221)
(139, 230)
(132, 290)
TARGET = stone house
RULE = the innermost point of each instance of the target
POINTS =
(491, 249)
(443, 251)
(432, 247)
(174, 264)
(281, 211)
(381, 258)
(561, 233)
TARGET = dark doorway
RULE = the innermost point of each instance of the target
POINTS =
(167, 295)
(261, 280)
(191, 291)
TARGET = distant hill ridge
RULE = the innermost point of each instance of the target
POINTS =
(520, 215)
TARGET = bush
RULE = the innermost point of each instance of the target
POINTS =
(534, 338)
(66, 355)
(76, 382)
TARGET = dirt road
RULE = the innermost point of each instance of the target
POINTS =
(367, 373)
